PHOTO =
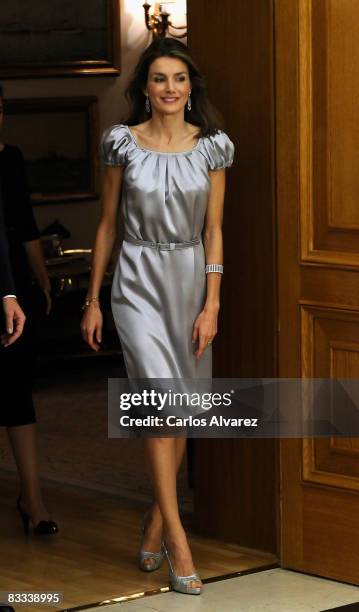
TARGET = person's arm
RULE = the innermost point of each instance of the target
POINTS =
(37, 264)
(91, 324)
(26, 227)
(14, 316)
(205, 327)
(7, 285)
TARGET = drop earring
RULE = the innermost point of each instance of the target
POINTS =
(147, 105)
(189, 103)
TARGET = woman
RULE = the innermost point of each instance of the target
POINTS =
(16, 361)
(170, 163)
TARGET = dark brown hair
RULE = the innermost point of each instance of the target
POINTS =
(203, 113)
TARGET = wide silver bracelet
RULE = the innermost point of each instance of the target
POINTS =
(214, 268)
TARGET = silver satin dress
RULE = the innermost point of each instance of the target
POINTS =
(158, 294)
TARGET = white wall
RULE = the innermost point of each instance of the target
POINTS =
(81, 217)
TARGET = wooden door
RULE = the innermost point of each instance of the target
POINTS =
(317, 135)
(235, 481)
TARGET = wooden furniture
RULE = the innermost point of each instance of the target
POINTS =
(60, 334)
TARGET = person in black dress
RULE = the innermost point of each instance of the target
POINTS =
(17, 409)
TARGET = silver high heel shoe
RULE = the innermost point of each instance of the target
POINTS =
(181, 583)
(156, 557)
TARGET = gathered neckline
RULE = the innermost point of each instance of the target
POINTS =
(161, 152)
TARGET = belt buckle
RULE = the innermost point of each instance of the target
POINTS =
(165, 246)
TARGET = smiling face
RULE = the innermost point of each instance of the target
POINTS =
(168, 85)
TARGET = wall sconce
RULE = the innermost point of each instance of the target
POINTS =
(159, 23)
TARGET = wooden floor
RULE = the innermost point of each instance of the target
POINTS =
(93, 558)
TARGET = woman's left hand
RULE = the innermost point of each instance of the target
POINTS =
(204, 329)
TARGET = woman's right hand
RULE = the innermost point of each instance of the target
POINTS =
(91, 326)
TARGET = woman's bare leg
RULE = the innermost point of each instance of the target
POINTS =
(163, 465)
(154, 524)
(23, 442)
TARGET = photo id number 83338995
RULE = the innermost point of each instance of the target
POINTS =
(45, 598)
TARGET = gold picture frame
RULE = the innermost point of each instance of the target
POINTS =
(59, 140)
(78, 38)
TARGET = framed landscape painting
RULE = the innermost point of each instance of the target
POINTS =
(51, 38)
(59, 140)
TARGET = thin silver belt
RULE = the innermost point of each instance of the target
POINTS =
(163, 246)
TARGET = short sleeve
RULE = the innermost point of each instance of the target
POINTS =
(219, 150)
(114, 144)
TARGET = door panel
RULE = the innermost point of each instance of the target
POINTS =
(329, 131)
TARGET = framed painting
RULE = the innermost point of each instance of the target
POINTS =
(59, 140)
(56, 38)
